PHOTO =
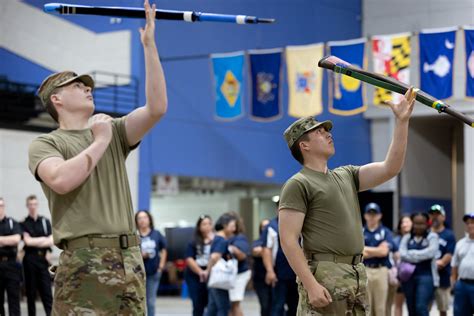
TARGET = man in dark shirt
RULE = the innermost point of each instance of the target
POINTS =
(10, 273)
(38, 239)
(279, 274)
(447, 243)
(378, 243)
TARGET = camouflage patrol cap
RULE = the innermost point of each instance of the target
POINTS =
(60, 79)
(302, 126)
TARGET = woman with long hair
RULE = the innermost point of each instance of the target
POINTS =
(219, 303)
(395, 291)
(418, 270)
(239, 246)
(197, 256)
(153, 248)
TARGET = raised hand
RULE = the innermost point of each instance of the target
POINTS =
(147, 34)
(403, 109)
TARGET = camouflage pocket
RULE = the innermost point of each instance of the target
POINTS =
(304, 307)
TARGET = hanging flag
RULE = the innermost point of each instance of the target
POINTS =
(265, 79)
(469, 38)
(304, 80)
(346, 94)
(391, 55)
(228, 84)
(436, 61)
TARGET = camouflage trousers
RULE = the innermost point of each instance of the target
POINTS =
(347, 285)
(100, 281)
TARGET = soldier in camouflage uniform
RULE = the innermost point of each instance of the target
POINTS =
(81, 167)
(322, 205)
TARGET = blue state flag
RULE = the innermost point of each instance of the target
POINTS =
(436, 61)
(228, 84)
(469, 38)
(346, 94)
(265, 79)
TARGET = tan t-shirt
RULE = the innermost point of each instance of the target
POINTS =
(329, 201)
(100, 205)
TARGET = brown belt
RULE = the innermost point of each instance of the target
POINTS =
(123, 241)
(334, 258)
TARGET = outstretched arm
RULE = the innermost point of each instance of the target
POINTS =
(376, 173)
(141, 120)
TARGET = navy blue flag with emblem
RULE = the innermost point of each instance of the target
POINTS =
(228, 74)
(436, 61)
(265, 79)
(346, 94)
(469, 38)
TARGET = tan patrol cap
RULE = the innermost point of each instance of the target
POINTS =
(60, 79)
(302, 126)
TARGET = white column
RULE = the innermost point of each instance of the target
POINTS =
(469, 168)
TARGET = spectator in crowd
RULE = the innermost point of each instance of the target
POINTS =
(279, 273)
(154, 253)
(462, 276)
(239, 247)
(219, 302)
(263, 290)
(198, 253)
(395, 291)
(38, 239)
(10, 272)
(418, 270)
(378, 243)
(447, 242)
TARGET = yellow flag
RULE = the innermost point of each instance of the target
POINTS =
(391, 55)
(304, 80)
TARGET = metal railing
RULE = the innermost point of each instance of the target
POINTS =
(115, 94)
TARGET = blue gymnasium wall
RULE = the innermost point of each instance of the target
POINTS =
(189, 141)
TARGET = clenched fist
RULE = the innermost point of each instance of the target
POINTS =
(101, 126)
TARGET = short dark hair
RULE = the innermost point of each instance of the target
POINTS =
(426, 217)
(31, 197)
(150, 218)
(296, 150)
(223, 221)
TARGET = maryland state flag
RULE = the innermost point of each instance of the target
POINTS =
(228, 84)
(265, 78)
(391, 54)
(346, 94)
(469, 38)
(304, 79)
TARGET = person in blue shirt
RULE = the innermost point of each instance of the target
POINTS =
(197, 256)
(263, 290)
(239, 247)
(395, 292)
(419, 249)
(219, 302)
(279, 274)
(378, 243)
(154, 253)
(447, 243)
